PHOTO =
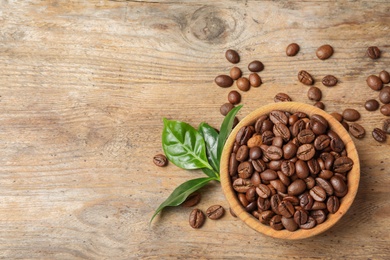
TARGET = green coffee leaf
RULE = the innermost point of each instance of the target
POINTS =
(210, 136)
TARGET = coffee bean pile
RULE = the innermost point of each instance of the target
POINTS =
(288, 170)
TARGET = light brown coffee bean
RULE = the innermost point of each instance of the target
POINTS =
(357, 130)
(329, 81)
(197, 218)
(224, 81)
(215, 212)
(235, 73)
(379, 135)
(374, 82)
(281, 97)
(292, 49)
(305, 78)
(324, 52)
(351, 114)
(371, 105)
(243, 84)
(314, 93)
(373, 52)
(385, 110)
(232, 56)
(384, 76)
(160, 160)
(254, 80)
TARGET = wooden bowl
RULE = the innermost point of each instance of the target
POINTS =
(345, 202)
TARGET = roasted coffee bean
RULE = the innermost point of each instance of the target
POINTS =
(306, 201)
(263, 204)
(292, 199)
(266, 216)
(325, 174)
(279, 186)
(275, 200)
(224, 81)
(255, 153)
(318, 193)
(197, 218)
(336, 144)
(234, 97)
(371, 105)
(320, 119)
(338, 184)
(267, 137)
(287, 168)
(306, 136)
(311, 223)
(357, 131)
(233, 164)
(263, 191)
(226, 108)
(192, 200)
(268, 175)
(242, 185)
(232, 56)
(259, 124)
(318, 128)
(254, 80)
(244, 134)
(275, 165)
(276, 222)
(160, 160)
(267, 126)
(282, 131)
(384, 95)
(301, 169)
(255, 66)
(373, 52)
(328, 160)
(292, 49)
(215, 212)
(345, 125)
(277, 141)
(305, 78)
(318, 205)
(333, 204)
(342, 164)
(321, 142)
(243, 84)
(329, 81)
(319, 215)
(384, 76)
(242, 153)
(296, 187)
(292, 119)
(289, 224)
(301, 216)
(313, 166)
(337, 116)
(255, 140)
(320, 105)
(305, 152)
(232, 213)
(259, 165)
(255, 179)
(386, 126)
(314, 93)
(324, 52)
(235, 73)
(297, 127)
(385, 110)
(277, 116)
(251, 206)
(379, 135)
(282, 97)
(289, 150)
(310, 182)
(374, 82)
(274, 153)
(286, 209)
(351, 114)
(242, 198)
(245, 170)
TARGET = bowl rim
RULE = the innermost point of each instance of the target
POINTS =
(249, 219)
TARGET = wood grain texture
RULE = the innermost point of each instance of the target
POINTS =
(84, 86)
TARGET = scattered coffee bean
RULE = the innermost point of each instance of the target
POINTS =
(374, 82)
(232, 56)
(225, 108)
(160, 160)
(384, 95)
(243, 84)
(384, 76)
(386, 126)
(371, 105)
(215, 212)
(329, 81)
(255, 66)
(282, 97)
(337, 116)
(379, 135)
(385, 109)
(235, 73)
(254, 80)
(234, 97)
(197, 218)
(224, 81)
(373, 52)
(357, 131)
(324, 52)
(351, 114)
(314, 93)
(292, 49)
(192, 200)
(305, 78)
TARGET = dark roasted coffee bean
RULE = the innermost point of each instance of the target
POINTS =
(287, 168)
(318, 193)
(379, 135)
(242, 185)
(255, 66)
(278, 185)
(319, 215)
(266, 216)
(311, 223)
(310, 182)
(215, 212)
(244, 134)
(160, 160)
(263, 191)
(325, 174)
(226, 108)
(371, 105)
(255, 179)
(255, 153)
(282, 131)
(292, 119)
(306, 201)
(267, 137)
(192, 200)
(373, 52)
(274, 153)
(305, 78)
(224, 81)
(318, 205)
(292, 199)
(242, 198)
(275, 200)
(235, 73)
(267, 126)
(296, 187)
(313, 166)
(301, 216)
(259, 165)
(243, 84)
(305, 152)
(277, 116)
(282, 97)
(289, 224)
(357, 131)
(301, 169)
(292, 49)
(232, 56)
(268, 175)
(250, 194)
(277, 141)
(345, 125)
(255, 80)
(321, 142)
(314, 93)
(297, 127)
(338, 184)
(386, 126)
(251, 206)
(275, 165)
(197, 218)
(374, 82)
(286, 209)
(259, 124)
(318, 128)
(233, 164)
(320, 105)
(384, 95)
(263, 204)
(234, 97)
(384, 76)
(324, 52)
(289, 150)
(245, 170)
(320, 119)
(342, 164)
(351, 114)
(385, 110)
(333, 204)
(328, 160)
(306, 136)
(242, 153)
(337, 116)
(276, 222)
(329, 81)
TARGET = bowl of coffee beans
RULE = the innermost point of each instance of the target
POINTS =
(290, 170)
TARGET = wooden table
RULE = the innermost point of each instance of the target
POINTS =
(84, 86)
